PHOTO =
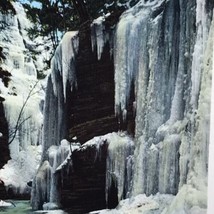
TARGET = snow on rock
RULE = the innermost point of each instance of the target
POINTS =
(50, 206)
(5, 204)
(118, 163)
(140, 204)
(21, 169)
(188, 200)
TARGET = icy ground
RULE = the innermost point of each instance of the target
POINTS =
(156, 204)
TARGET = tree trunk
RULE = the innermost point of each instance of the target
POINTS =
(81, 8)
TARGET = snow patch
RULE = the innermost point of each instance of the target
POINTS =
(140, 204)
(5, 204)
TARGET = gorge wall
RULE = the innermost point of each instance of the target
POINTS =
(163, 62)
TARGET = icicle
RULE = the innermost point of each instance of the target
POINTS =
(41, 186)
(118, 164)
(210, 207)
(130, 57)
(24, 135)
(98, 36)
(197, 61)
(63, 62)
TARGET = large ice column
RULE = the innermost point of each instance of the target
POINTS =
(126, 56)
(201, 123)
(63, 74)
(54, 118)
(63, 62)
(154, 53)
(61, 78)
(41, 186)
(197, 63)
(146, 57)
(46, 183)
(150, 55)
(119, 165)
(210, 207)
(57, 155)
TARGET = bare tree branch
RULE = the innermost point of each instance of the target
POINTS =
(19, 122)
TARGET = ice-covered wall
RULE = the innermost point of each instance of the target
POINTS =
(61, 79)
(164, 49)
(119, 165)
(22, 105)
(119, 157)
(45, 191)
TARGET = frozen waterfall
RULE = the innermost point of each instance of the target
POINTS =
(62, 76)
(163, 51)
(22, 105)
(170, 74)
(55, 151)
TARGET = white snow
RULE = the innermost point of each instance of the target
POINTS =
(50, 206)
(20, 170)
(5, 204)
(140, 204)
(1, 134)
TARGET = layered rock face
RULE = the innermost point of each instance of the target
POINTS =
(91, 105)
(83, 181)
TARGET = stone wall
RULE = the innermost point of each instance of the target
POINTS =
(83, 181)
